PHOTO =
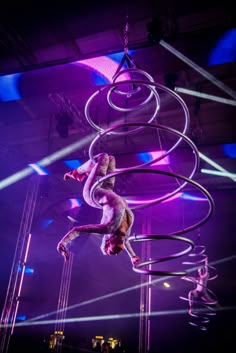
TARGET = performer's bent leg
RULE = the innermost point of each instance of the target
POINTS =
(85, 169)
(81, 172)
(98, 171)
(76, 231)
(109, 183)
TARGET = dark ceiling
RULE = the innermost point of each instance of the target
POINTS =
(42, 46)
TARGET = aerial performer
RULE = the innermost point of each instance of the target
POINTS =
(117, 218)
(201, 294)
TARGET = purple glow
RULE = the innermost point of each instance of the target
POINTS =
(181, 195)
(105, 66)
(75, 203)
(138, 202)
(176, 196)
(148, 156)
(157, 154)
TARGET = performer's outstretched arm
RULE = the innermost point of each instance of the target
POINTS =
(75, 232)
(135, 259)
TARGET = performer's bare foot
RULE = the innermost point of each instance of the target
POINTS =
(63, 251)
(73, 174)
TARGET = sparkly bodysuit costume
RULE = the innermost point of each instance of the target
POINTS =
(115, 208)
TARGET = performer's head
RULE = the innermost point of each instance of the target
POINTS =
(203, 271)
(112, 244)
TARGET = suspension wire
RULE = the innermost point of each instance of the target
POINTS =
(13, 296)
(145, 296)
(202, 301)
(127, 58)
(58, 336)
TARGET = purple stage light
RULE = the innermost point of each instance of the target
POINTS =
(148, 156)
(104, 66)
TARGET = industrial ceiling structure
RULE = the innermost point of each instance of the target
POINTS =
(52, 61)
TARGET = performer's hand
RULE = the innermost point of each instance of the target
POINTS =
(135, 260)
(63, 251)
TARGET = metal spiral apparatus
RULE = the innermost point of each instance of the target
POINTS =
(202, 301)
(139, 84)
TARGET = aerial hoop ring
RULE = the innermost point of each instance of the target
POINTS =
(134, 91)
(150, 237)
(141, 82)
(156, 126)
(152, 202)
